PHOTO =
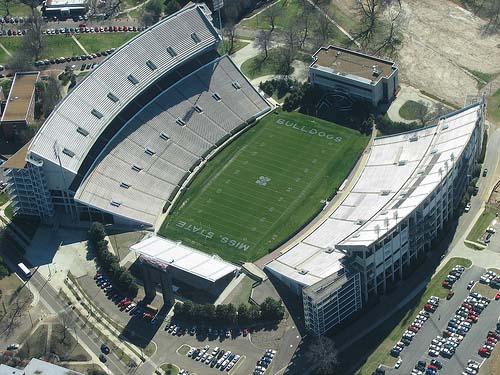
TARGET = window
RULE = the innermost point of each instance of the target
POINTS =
(112, 97)
(132, 79)
(198, 109)
(149, 151)
(180, 122)
(216, 96)
(97, 114)
(82, 131)
(124, 185)
(196, 38)
(236, 85)
(151, 65)
(171, 52)
(116, 203)
(164, 136)
(68, 152)
(136, 168)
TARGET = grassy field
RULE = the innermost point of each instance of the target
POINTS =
(264, 186)
(16, 9)
(99, 42)
(481, 224)
(241, 293)
(289, 11)
(36, 345)
(65, 345)
(60, 46)
(494, 107)
(411, 109)
(394, 327)
(169, 369)
(258, 67)
(238, 44)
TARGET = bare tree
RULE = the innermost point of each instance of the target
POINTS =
(289, 52)
(151, 12)
(323, 354)
(305, 21)
(263, 41)
(323, 31)
(391, 40)
(272, 13)
(67, 323)
(230, 33)
(369, 12)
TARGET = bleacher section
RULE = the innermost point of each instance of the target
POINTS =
(151, 155)
(81, 118)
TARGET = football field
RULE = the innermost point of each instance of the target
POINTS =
(263, 186)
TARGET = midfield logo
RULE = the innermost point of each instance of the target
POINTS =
(263, 180)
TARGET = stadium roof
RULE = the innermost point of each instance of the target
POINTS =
(353, 63)
(38, 367)
(146, 161)
(80, 118)
(20, 96)
(401, 172)
(168, 253)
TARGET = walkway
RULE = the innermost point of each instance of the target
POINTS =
(5, 50)
(79, 44)
(405, 94)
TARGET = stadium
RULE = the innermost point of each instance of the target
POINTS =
(129, 146)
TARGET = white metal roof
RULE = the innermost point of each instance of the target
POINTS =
(412, 164)
(113, 76)
(174, 254)
(114, 186)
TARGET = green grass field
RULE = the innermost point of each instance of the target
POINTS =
(411, 109)
(99, 42)
(481, 224)
(264, 186)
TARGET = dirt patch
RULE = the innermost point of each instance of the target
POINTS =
(442, 41)
(485, 290)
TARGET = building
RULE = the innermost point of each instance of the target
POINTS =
(19, 110)
(408, 190)
(64, 9)
(121, 145)
(170, 263)
(354, 74)
(38, 367)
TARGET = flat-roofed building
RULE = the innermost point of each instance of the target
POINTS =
(355, 74)
(64, 8)
(38, 367)
(19, 110)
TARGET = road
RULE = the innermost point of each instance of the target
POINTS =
(50, 298)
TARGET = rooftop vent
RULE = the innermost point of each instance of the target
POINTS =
(82, 131)
(329, 250)
(151, 65)
(198, 109)
(402, 162)
(136, 168)
(236, 85)
(164, 136)
(148, 151)
(303, 272)
(413, 138)
(180, 122)
(216, 96)
(376, 73)
(445, 126)
(68, 152)
(360, 222)
(171, 52)
(125, 185)
(195, 37)
(97, 114)
(385, 192)
(132, 79)
(112, 97)
(116, 203)
(434, 151)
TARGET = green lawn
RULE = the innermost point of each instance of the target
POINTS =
(60, 46)
(481, 224)
(4, 197)
(36, 345)
(391, 330)
(241, 294)
(258, 67)
(9, 211)
(16, 8)
(288, 11)
(410, 110)
(11, 44)
(169, 369)
(99, 42)
(264, 186)
(238, 44)
(494, 107)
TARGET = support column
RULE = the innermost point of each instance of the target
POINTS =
(149, 284)
(166, 288)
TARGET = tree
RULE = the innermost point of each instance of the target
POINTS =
(230, 33)
(262, 42)
(289, 52)
(66, 321)
(272, 13)
(271, 309)
(243, 315)
(51, 96)
(188, 310)
(369, 12)
(305, 21)
(151, 12)
(208, 312)
(96, 232)
(253, 313)
(171, 7)
(323, 354)
(391, 40)
(323, 30)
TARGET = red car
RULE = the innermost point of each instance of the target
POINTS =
(97, 275)
(446, 284)
(451, 293)
(432, 367)
(497, 297)
(494, 334)
(123, 301)
(413, 329)
(492, 340)
(466, 305)
(484, 352)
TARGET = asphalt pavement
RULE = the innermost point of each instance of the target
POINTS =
(434, 326)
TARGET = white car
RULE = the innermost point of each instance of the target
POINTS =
(398, 363)
(467, 207)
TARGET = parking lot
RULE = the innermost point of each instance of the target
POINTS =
(418, 350)
(169, 346)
